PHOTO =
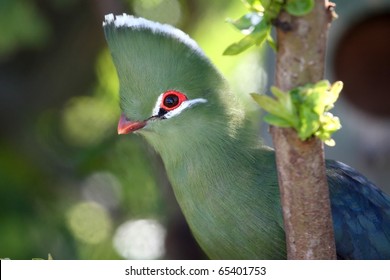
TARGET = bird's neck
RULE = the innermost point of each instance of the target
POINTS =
(203, 158)
(209, 136)
(220, 173)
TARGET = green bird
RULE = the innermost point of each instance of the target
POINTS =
(223, 177)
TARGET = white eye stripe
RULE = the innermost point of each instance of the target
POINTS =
(157, 106)
(184, 105)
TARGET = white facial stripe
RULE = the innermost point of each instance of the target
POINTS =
(157, 106)
(186, 104)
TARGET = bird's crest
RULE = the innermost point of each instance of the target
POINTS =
(112, 22)
(152, 58)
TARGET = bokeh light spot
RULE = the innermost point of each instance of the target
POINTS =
(140, 239)
(89, 222)
(88, 121)
(103, 188)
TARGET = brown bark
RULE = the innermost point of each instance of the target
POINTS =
(301, 168)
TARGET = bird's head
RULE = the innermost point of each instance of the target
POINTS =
(166, 82)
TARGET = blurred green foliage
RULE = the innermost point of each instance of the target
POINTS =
(257, 24)
(28, 28)
(67, 181)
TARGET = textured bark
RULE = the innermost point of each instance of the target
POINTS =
(301, 167)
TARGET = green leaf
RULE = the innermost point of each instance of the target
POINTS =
(315, 101)
(276, 121)
(284, 98)
(333, 94)
(322, 96)
(266, 3)
(321, 85)
(278, 93)
(276, 109)
(299, 7)
(247, 22)
(330, 123)
(330, 142)
(271, 42)
(254, 5)
(257, 37)
(271, 105)
(309, 122)
(258, 22)
(336, 88)
(240, 46)
(272, 9)
(305, 109)
(261, 30)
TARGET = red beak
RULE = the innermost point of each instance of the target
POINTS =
(125, 126)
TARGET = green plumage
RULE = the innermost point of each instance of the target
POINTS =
(223, 177)
(219, 213)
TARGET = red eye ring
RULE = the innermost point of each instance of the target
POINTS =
(172, 99)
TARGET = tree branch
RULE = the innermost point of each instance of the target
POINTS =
(301, 168)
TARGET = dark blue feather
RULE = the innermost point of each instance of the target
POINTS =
(361, 214)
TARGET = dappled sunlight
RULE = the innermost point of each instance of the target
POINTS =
(140, 239)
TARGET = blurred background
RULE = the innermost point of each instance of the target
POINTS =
(71, 187)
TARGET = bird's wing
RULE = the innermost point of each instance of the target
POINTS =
(361, 214)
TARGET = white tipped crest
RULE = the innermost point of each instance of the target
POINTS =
(130, 21)
(108, 19)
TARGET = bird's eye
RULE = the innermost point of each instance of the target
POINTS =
(172, 99)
